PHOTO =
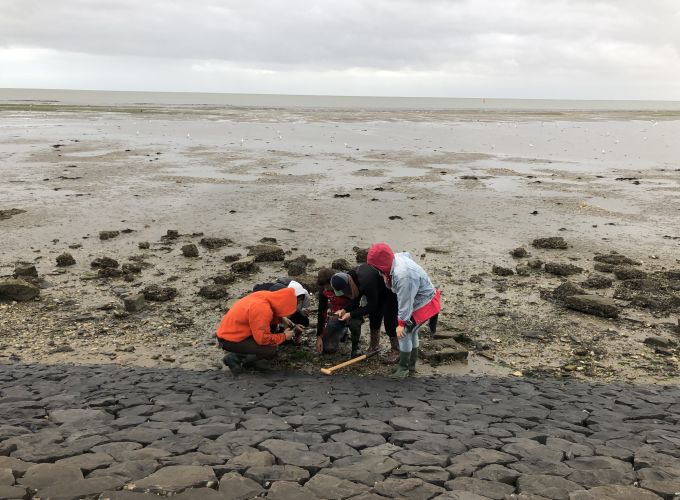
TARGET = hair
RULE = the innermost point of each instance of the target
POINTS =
(324, 276)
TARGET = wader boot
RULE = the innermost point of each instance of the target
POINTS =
(252, 362)
(375, 340)
(393, 355)
(412, 361)
(234, 362)
(402, 368)
(432, 324)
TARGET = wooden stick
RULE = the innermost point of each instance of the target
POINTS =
(329, 371)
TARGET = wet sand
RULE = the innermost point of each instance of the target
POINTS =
(472, 184)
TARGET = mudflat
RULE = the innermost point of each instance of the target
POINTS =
(459, 190)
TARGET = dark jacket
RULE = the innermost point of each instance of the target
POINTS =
(372, 286)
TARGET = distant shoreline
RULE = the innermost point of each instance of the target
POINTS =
(131, 98)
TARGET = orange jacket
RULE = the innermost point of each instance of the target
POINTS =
(254, 315)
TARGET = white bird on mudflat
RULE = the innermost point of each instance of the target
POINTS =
(242, 141)
(188, 135)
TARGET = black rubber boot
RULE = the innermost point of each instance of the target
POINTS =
(432, 324)
(412, 361)
(356, 339)
(402, 367)
(234, 362)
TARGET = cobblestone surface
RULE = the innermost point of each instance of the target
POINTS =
(116, 432)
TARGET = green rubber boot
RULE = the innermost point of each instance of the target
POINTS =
(402, 367)
(412, 361)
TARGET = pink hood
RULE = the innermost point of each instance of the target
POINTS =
(381, 257)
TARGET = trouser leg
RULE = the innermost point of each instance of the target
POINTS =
(249, 346)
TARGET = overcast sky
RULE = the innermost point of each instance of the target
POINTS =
(578, 49)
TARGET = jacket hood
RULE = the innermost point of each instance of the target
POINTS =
(300, 290)
(283, 302)
(381, 257)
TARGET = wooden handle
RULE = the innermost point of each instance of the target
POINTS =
(328, 371)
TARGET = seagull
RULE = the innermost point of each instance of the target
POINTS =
(242, 141)
(188, 135)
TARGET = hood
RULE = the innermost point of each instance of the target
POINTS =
(381, 257)
(283, 302)
(300, 290)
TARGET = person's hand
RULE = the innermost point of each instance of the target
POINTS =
(400, 332)
(288, 322)
(345, 317)
(340, 313)
(289, 333)
(319, 345)
(298, 328)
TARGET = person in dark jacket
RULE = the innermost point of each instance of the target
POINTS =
(329, 328)
(364, 285)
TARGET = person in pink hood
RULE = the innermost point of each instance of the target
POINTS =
(418, 300)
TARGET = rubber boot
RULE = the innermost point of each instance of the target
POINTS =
(375, 340)
(393, 356)
(432, 324)
(402, 368)
(412, 361)
(356, 338)
(234, 362)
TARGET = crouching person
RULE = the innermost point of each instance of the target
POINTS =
(329, 328)
(417, 300)
(246, 330)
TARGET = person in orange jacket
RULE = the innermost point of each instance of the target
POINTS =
(245, 332)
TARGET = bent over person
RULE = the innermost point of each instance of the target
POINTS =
(417, 299)
(246, 330)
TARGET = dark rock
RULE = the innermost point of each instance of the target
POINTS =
(415, 457)
(553, 487)
(489, 489)
(8, 214)
(170, 234)
(65, 259)
(104, 263)
(502, 271)
(131, 268)
(309, 283)
(361, 254)
(250, 459)
(144, 245)
(444, 351)
(87, 462)
(224, 279)
(109, 272)
(519, 253)
(81, 488)
(535, 263)
(12, 492)
(42, 475)
(134, 303)
(374, 463)
(613, 491)
(157, 293)
(214, 243)
(174, 479)
(237, 487)
(408, 488)
(466, 463)
(341, 265)
(232, 258)
(107, 235)
(476, 278)
(245, 265)
(267, 253)
(604, 268)
(325, 486)
(131, 470)
(497, 473)
(296, 267)
(523, 270)
(555, 242)
(528, 449)
(268, 474)
(616, 259)
(629, 273)
(19, 290)
(190, 250)
(25, 270)
(593, 304)
(562, 269)
(290, 453)
(597, 281)
(213, 292)
(284, 490)
(334, 450)
(358, 440)
(566, 289)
